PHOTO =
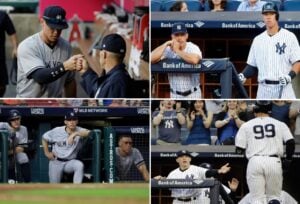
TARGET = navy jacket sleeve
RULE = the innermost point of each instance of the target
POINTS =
(89, 82)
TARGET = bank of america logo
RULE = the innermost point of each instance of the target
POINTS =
(199, 24)
(260, 24)
(208, 63)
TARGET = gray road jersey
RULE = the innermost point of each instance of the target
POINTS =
(58, 136)
(21, 134)
(125, 163)
(34, 54)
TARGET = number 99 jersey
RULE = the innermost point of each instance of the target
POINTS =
(263, 136)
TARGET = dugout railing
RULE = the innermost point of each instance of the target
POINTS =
(221, 66)
(110, 135)
(212, 184)
(4, 156)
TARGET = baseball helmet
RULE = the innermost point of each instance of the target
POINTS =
(262, 107)
(270, 7)
(206, 165)
(274, 201)
(13, 114)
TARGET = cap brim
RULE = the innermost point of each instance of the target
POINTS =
(72, 118)
(180, 155)
(179, 32)
(57, 26)
(14, 118)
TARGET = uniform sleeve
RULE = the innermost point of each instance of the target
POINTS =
(240, 138)
(89, 82)
(48, 136)
(287, 135)
(24, 138)
(251, 57)
(29, 59)
(201, 173)
(295, 49)
(195, 50)
(9, 26)
(138, 158)
(4, 126)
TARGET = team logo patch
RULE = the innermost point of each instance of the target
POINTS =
(280, 49)
(178, 27)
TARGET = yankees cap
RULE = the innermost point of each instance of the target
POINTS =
(113, 43)
(183, 152)
(179, 28)
(55, 17)
(71, 116)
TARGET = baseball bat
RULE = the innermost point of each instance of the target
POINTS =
(280, 91)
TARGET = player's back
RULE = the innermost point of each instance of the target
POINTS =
(263, 136)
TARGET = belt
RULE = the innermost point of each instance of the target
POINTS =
(185, 93)
(272, 155)
(266, 81)
(186, 199)
(62, 160)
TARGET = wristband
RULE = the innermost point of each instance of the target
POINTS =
(292, 74)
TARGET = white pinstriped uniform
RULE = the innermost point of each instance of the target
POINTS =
(193, 172)
(285, 198)
(262, 137)
(183, 82)
(274, 56)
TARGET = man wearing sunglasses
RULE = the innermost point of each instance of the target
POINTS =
(127, 156)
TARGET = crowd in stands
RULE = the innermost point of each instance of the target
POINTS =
(73, 102)
(212, 122)
(221, 5)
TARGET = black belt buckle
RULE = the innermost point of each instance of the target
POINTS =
(62, 160)
(186, 199)
(273, 155)
(271, 82)
(184, 93)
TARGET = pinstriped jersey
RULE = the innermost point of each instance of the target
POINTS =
(21, 133)
(181, 81)
(263, 136)
(193, 172)
(274, 55)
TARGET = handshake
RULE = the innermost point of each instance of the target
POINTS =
(76, 63)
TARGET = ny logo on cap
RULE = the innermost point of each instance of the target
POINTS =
(58, 17)
(269, 6)
(15, 114)
(178, 27)
(72, 114)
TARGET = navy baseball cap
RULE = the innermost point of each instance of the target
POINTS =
(55, 17)
(113, 43)
(183, 153)
(179, 28)
(71, 116)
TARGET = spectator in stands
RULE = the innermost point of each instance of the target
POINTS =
(198, 122)
(19, 142)
(114, 81)
(281, 111)
(93, 102)
(217, 5)
(295, 114)
(251, 5)
(127, 156)
(181, 85)
(179, 6)
(169, 122)
(228, 122)
(6, 26)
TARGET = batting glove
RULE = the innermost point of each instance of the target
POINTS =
(242, 78)
(285, 80)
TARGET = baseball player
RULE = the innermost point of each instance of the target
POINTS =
(66, 143)
(169, 122)
(18, 139)
(188, 171)
(127, 156)
(262, 140)
(285, 198)
(182, 85)
(44, 62)
(274, 55)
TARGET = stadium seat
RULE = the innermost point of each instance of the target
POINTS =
(291, 5)
(232, 5)
(155, 5)
(193, 5)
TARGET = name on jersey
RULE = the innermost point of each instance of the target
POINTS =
(238, 25)
(179, 65)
